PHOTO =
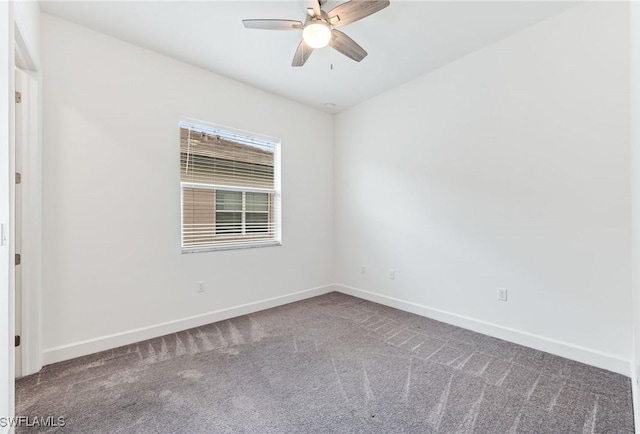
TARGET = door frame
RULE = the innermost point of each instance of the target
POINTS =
(20, 127)
(31, 206)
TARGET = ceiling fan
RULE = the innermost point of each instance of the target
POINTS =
(320, 27)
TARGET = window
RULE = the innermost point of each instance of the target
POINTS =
(230, 189)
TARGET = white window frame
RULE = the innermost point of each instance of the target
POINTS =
(276, 192)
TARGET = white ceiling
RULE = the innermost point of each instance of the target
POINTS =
(405, 40)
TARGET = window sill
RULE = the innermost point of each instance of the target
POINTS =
(213, 248)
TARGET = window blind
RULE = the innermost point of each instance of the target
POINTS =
(229, 189)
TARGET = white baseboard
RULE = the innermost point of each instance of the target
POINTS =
(553, 346)
(90, 346)
(542, 343)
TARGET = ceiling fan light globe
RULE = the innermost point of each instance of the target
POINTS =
(317, 34)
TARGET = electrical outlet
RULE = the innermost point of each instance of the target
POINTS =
(392, 274)
(201, 286)
(363, 269)
(502, 294)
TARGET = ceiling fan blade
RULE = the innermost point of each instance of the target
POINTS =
(314, 5)
(355, 10)
(272, 24)
(302, 54)
(347, 46)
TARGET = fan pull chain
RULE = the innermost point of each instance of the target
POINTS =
(331, 57)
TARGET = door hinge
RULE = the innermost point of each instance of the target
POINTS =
(18, 178)
(17, 341)
(18, 97)
(18, 258)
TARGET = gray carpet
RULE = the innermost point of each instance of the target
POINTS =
(333, 363)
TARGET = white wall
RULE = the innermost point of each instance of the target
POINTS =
(507, 168)
(111, 253)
